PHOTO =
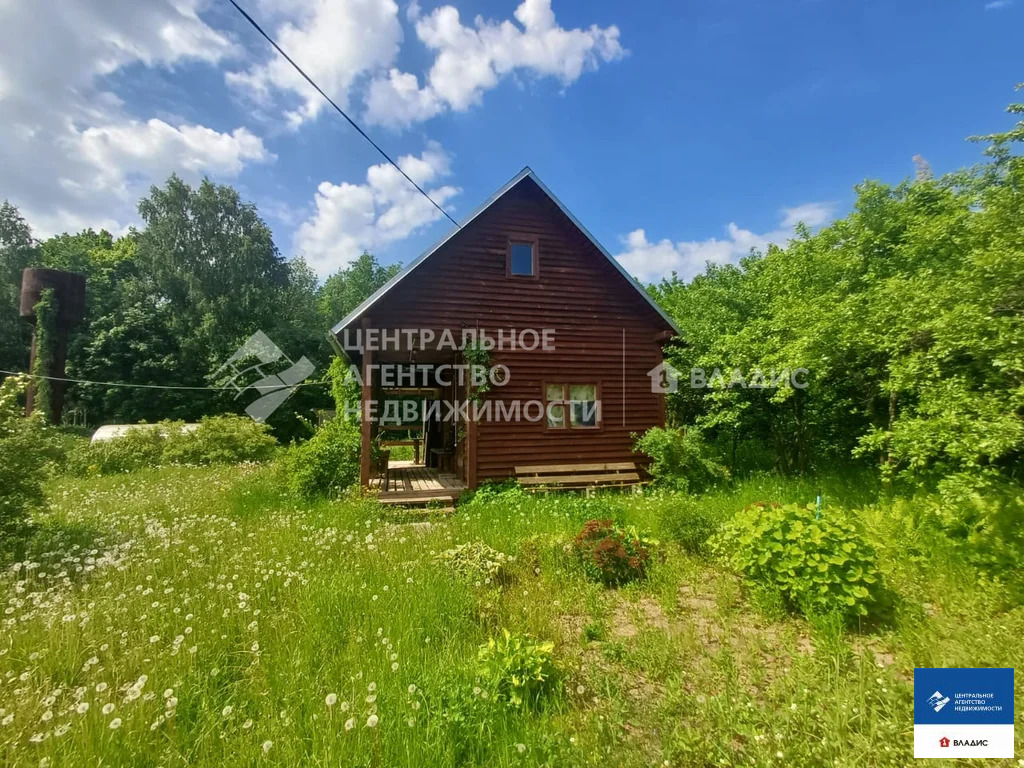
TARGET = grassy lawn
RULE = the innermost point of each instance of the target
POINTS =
(204, 617)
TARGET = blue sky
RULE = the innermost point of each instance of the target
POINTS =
(677, 132)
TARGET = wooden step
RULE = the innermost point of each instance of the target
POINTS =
(418, 498)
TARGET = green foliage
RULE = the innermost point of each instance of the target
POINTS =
(46, 338)
(345, 389)
(327, 463)
(612, 554)
(819, 564)
(347, 288)
(907, 314)
(477, 562)
(226, 439)
(17, 251)
(23, 455)
(517, 670)
(680, 459)
(478, 358)
(138, 448)
(984, 527)
(689, 521)
(507, 493)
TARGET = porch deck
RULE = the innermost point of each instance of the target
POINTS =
(412, 484)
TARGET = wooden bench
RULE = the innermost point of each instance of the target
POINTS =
(554, 477)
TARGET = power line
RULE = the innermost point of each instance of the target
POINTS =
(339, 110)
(271, 387)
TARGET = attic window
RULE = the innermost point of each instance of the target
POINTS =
(522, 258)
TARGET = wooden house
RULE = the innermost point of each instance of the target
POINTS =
(521, 265)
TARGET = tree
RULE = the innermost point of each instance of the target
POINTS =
(211, 259)
(17, 251)
(347, 288)
(908, 314)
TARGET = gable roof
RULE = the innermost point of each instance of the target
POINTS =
(526, 173)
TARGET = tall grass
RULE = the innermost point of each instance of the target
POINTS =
(190, 616)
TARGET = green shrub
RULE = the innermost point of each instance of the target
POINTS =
(611, 554)
(505, 493)
(141, 446)
(24, 450)
(984, 527)
(328, 462)
(681, 460)
(818, 564)
(689, 521)
(517, 670)
(227, 439)
(478, 562)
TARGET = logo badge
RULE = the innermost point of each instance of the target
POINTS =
(963, 712)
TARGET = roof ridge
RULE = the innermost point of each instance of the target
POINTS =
(526, 172)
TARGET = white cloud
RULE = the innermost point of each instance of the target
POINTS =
(72, 156)
(471, 60)
(352, 217)
(996, 5)
(651, 261)
(334, 42)
(811, 214)
(156, 149)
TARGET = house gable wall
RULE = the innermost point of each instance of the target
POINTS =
(603, 329)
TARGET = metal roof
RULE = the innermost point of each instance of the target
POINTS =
(527, 172)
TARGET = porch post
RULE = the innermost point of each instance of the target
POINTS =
(366, 424)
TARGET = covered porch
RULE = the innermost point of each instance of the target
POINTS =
(410, 396)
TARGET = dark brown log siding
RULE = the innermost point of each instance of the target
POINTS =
(590, 306)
